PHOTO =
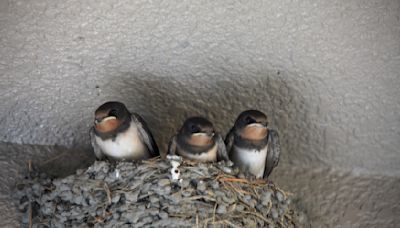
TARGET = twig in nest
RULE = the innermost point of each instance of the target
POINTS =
(240, 180)
(30, 166)
(206, 222)
(233, 189)
(255, 220)
(30, 215)
(289, 218)
(229, 188)
(199, 197)
(230, 223)
(108, 192)
(234, 180)
(281, 191)
(258, 215)
(215, 208)
(213, 222)
(245, 204)
(98, 219)
(281, 224)
(151, 161)
(240, 190)
(281, 220)
(196, 171)
(232, 207)
(269, 206)
(189, 163)
(217, 222)
(256, 192)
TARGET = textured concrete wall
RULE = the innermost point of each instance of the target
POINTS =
(326, 73)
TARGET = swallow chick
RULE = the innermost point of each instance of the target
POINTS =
(197, 141)
(251, 146)
(120, 135)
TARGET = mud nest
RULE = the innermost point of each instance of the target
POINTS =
(154, 193)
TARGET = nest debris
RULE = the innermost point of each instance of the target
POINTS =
(137, 194)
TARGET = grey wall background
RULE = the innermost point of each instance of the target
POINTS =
(325, 72)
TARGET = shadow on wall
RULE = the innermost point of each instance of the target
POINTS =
(165, 102)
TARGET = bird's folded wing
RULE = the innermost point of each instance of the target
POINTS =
(222, 153)
(145, 135)
(172, 146)
(97, 151)
(274, 151)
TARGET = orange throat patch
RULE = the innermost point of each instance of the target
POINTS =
(254, 132)
(200, 140)
(107, 125)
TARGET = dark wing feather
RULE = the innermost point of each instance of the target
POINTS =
(97, 151)
(274, 151)
(229, 141)
(222, 154)
(145, 135)
(172, 146)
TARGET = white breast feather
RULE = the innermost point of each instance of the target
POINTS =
(127, 145)
(211, 155)
(251, 160)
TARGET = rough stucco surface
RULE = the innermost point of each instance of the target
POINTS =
(343, 199)
(326, 73)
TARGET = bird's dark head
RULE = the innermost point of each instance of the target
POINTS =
(252, 125)
(197, 131)
(109, 116)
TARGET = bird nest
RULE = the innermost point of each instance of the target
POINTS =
(156, 193)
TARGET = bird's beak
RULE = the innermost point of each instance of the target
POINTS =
(258, 125)
(199, 134)
(102, 120)
(208, 134)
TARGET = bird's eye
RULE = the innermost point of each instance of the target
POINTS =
(194, 129)
(249, 120)
(113, 112)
